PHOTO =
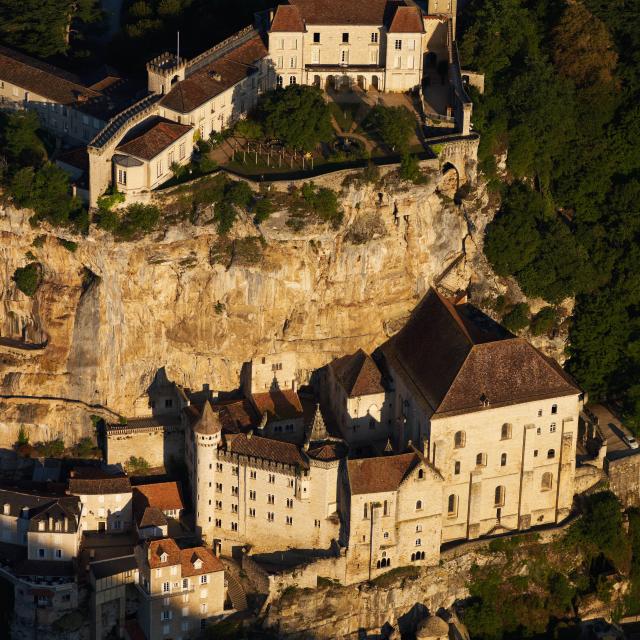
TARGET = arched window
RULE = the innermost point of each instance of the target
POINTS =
(420, 474)
(503, 460)
(292, 79)
(418, 505)
(498, 499)
(554, 408)
(378, 564)
(547, 481)
(505, 432)
(413, 557)
(279, 81)
(551, 454)
(459, 439)
(481, 460)
(452, 505)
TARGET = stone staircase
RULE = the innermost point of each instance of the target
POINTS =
(236, 592)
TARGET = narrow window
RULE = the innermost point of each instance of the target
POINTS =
(398, 45)
(456, 468)
(345, 38)
(499, 496)
(505, 432)
(452, 505)
(554, 408)
(481, 460)
(503, 460)
(316, 37)
(418, 505)
(366, 511)
(385, 508)
(547, 481)
(374, 37)
(459, 439)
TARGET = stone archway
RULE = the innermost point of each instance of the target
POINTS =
(375, 83)
(450, 180)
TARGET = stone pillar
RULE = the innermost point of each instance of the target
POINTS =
(474, 507)
(526, 477)
(566, 471)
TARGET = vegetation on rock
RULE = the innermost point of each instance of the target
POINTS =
(28, 278)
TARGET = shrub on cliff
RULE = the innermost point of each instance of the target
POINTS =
(543, 321)
(518, 318)
(393, 125)
(137, 220)
(28, 278)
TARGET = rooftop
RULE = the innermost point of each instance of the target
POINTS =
(94, 482)
(165, 496)
(278, 405)
(358, 374)
(334, 12)
(458, 360)
(265, 449)
(154, 140)
(216, 77)
(381, 474)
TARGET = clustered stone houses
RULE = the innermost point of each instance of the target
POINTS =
(452, 430)
(132, 140)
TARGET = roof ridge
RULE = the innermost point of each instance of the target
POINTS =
(450, 307)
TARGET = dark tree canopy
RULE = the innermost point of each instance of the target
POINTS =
(298, 115)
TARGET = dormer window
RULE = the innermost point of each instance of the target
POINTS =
(197, 564)
(6, 509)
(163, 557)
(41, 525)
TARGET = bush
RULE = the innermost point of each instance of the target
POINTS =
(69, 245)
(23, 437)
(28, 278)
(410, 169)
(84, 448)
(205, 165)
(518, 318)
(137, 219)
(263, 209)
(224, 216)
(203, 146)
(543, 321)
(109, 199)
(50, 448)
(137, 465)
(323, 202)
(240, 194)
(371, 173)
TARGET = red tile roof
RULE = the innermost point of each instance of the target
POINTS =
(165, 496)
(459, 360)
(287, 19)
(358, 374)
(154, 140)
(237, 416)
(278, 405)
(215, 77)
(265, 449)
(381, 474)
(184, 557)
(407, 20)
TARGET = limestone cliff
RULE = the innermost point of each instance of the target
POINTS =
(112, 313)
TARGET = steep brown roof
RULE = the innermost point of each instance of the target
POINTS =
(239, 415)
(358, 374)
(163, 495)
(407, 20)
(336, 12)
(459, 360)
(278, 405)
(154, 140)
(209, 421)
(151, 517)
(83, 486)
(210, 563)
(377, 475)
(265, 448)
(156, 548)
(215, 77)
(287, 18)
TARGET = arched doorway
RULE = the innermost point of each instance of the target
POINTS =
(450, 180)
(317, 81)
(375, 83)
(362, 83)
(330, 83)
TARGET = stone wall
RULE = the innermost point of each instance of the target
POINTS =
(624, 478)
(157, 446)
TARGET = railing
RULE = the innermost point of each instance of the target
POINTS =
(118, 122)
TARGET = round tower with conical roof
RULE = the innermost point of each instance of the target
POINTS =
(207, 436)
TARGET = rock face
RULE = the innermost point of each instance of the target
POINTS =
(113, 313)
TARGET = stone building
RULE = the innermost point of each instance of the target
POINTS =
(181, 589)
(358, 399)
(267, 493)
(393, 509)
(106, 500)
(493, 415)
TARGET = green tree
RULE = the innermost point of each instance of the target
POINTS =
(517, 318)
(394, 125)
(298, 115)
(23, 436)
(28, 278)
(543, 321)
(21, 141)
